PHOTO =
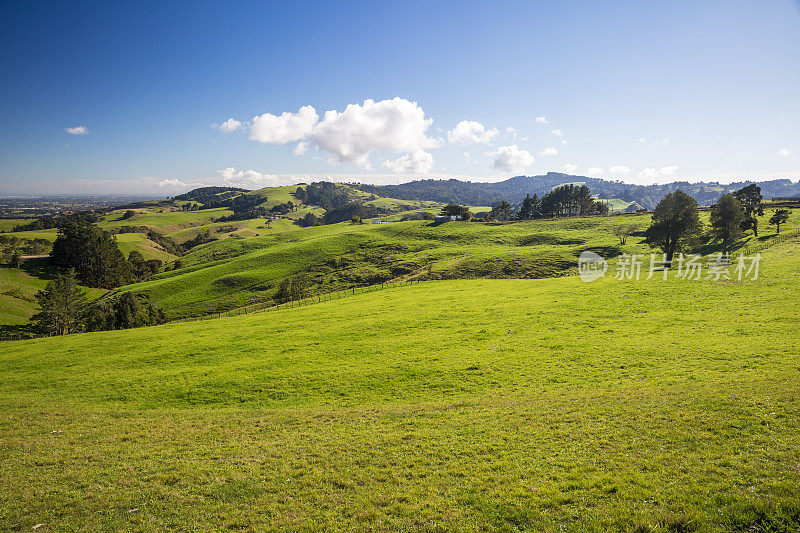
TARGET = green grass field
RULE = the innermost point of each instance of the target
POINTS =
(8, 224)
(234, 272)
(484, 405)
(129, 242)
(19, 286)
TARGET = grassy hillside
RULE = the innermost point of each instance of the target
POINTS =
(249, 259)
(231, 273)
(235, 272)
(490, 404)
(18, 287)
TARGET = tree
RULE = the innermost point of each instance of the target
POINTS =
(455, 210)
(127, 214)
(128, 311)
(141, 269)
(310, 219)
(501, 211)
(570, 200)
(16, 259)
(356, 220)
(676, 224)
(727, 216)
(530, 207)
(779, 217)
(295, 288)
(125, 311)
(751, 200)
(61, 305)
(92, 252)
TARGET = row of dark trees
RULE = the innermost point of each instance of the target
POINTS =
(52, 222)
(64, 308)
(94, 255)
(565, 201)
(676, 225)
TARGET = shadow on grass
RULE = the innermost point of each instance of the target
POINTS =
(39, 267)
(18, 332)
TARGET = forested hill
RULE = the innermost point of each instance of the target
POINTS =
(514, 190)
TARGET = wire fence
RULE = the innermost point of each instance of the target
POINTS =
(775, 239)
(269, 305)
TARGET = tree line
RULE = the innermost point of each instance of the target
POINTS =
(94, 255)
(64, 308)
(564, 201)
(676, 226)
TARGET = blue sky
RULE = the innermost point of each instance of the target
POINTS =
(639, 91)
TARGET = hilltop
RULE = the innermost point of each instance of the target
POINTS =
(514, 189)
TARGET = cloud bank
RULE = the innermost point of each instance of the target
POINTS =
(511, 158)
(355, 134)
(471, 132)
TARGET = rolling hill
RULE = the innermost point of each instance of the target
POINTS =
(514, 189)
(479, 405)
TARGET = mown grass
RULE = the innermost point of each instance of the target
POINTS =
(486, 405)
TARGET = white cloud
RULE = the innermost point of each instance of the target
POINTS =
(471, 132)
(669, 171)
(641, 140)
(649, 174)
(396, 125)
(249, 179)
(230, 125)
(351, 136)
(549, 151)
(284, 129)
(301, 148)
(569, 168)
(594, 172)
(417, 162)
(557, 132)
(666, 140)
(77, 130)
(511, 158)
(784, 152)
(512, 132)
(542, 120)
(619, 169)
(564, 141)
(171, 183)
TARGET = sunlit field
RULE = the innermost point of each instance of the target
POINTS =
(496, 404)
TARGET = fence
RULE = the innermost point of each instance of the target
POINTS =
(317, 298)
(757, 247)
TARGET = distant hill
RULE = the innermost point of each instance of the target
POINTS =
(514, 190)
(211, 194)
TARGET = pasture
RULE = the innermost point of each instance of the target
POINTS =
(485, 405)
